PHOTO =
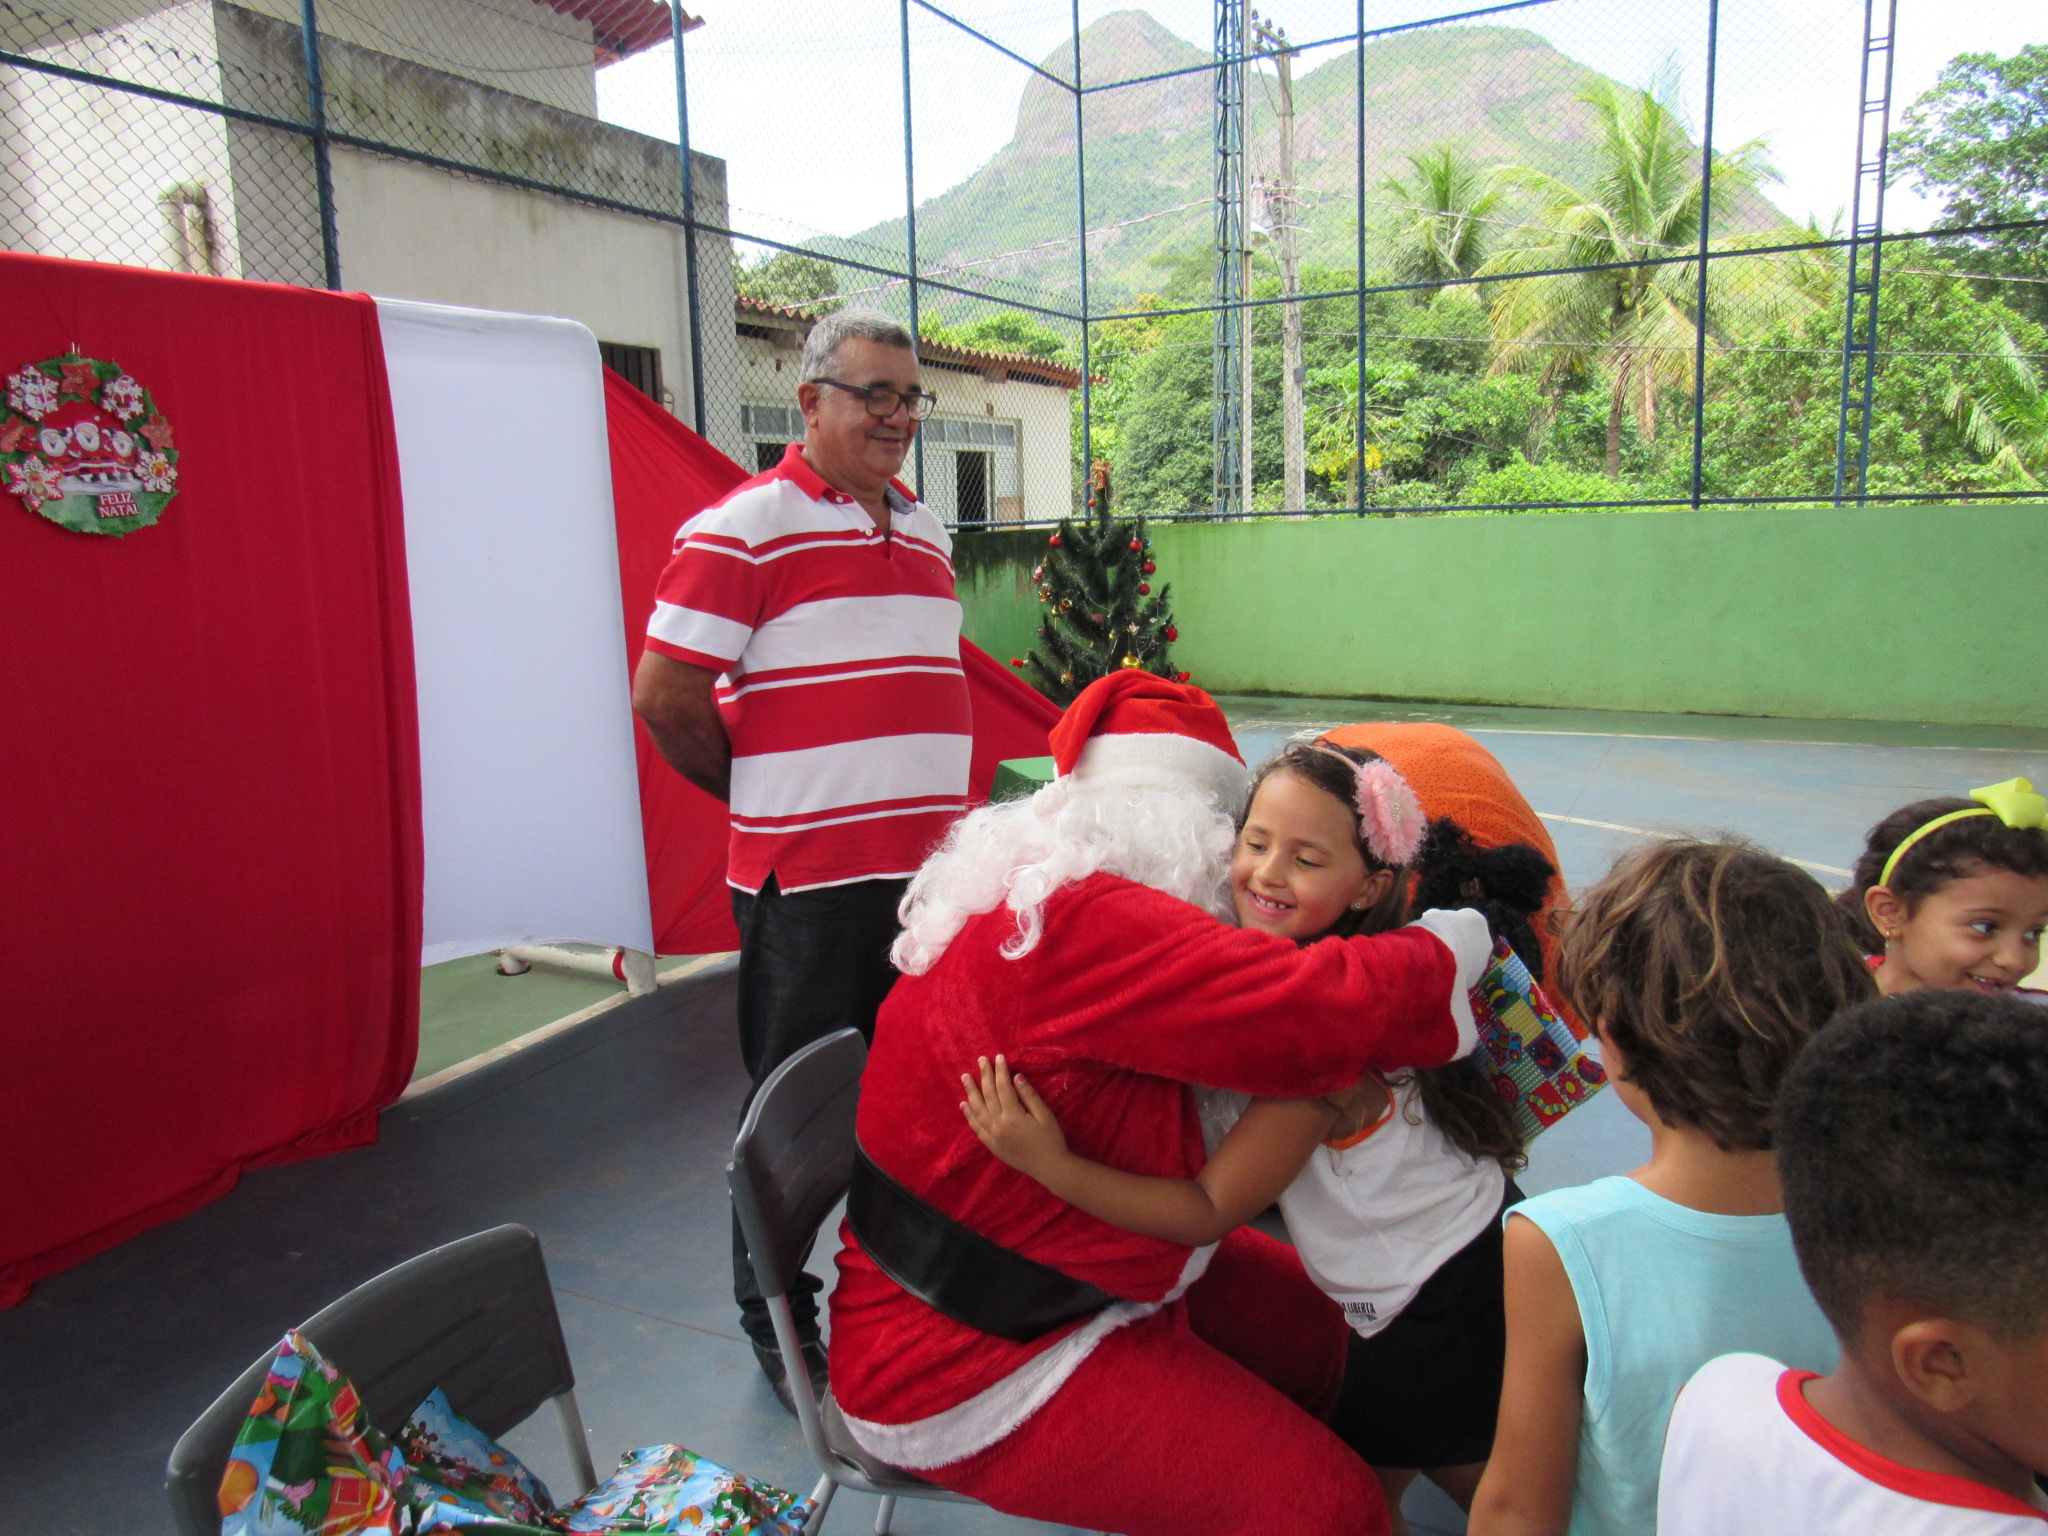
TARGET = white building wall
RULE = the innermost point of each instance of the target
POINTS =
(87, 169)
(1032, 482)
(1044, 420)
(520, 46)
(410, 232)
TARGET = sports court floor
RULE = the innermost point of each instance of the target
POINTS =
(609, 1139)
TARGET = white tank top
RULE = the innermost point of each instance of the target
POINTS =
(1375, 1214)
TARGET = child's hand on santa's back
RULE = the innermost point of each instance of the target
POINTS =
(1012, 1121)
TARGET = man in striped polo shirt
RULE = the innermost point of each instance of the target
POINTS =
(803, 664)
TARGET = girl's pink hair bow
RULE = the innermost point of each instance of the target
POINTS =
(1390, 817)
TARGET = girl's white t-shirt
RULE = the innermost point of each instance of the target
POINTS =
(1375, 1214)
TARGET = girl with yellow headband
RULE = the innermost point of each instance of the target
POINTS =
(1952, 894)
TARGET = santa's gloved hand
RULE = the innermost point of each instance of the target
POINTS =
(1465, 934)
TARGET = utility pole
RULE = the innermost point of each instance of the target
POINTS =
(1230, 406)
(1283, 198)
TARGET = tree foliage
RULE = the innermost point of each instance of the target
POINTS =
(1444, 210)
(1633, 319)
(794, 280)
(1979, 141)
(1007, 330)
(1535, 385)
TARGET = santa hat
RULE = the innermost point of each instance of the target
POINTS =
(1133, 729)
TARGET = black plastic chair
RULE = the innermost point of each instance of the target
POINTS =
(790, 1166)
(474, 1317)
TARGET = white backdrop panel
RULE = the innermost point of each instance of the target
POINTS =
(529, 792)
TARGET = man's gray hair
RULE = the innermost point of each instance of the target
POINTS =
(847, 325)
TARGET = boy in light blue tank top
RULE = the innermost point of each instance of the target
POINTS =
(1705, 967)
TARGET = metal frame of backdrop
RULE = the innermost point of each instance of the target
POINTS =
(1862, 249)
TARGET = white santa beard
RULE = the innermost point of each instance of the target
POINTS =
(1174, 840)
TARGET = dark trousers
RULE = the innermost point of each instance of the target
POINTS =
(811, 964)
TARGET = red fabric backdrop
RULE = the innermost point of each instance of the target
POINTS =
(663, 474)
(212, 850)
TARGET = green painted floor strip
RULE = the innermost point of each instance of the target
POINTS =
(467, 1008)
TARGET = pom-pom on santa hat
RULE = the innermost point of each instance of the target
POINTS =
(1133, 729)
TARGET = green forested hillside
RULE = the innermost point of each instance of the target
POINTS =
(1499, 94)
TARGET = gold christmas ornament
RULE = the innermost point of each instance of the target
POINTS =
(1130, 660)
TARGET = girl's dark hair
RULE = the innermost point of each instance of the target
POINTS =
(1710, 964)
(1458, 1097)
(1506, 885)
(1947, 853)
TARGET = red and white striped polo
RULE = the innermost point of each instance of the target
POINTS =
(842, 690)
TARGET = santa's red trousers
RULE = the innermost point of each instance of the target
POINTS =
(1201, 1420)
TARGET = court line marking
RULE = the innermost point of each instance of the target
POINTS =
(1312, 730)
(1615, 826)
(534, 1037)
(1756, 741)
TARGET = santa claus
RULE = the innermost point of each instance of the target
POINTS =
(999, 1341)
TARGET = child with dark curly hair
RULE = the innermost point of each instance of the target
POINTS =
(1705, 967)
(1913, 1141)
(1953, 893)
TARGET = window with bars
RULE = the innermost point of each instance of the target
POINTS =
(638, 366)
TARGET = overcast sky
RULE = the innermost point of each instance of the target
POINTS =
(803, 98)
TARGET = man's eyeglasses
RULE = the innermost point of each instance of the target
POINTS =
(882, 401)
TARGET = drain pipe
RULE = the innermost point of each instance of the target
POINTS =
(634, 967)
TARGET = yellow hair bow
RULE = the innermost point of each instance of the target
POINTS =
(2013, 802)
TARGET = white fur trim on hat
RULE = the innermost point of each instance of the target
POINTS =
(1162, 760)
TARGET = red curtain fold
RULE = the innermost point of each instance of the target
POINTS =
(663, 474)
(212, 849)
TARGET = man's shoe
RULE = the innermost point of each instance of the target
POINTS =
(771, 1366)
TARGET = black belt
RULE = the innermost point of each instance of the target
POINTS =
(956, 1270)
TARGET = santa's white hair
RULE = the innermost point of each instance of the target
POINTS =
(1173, 838)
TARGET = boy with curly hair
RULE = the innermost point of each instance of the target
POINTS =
(1913, 1145)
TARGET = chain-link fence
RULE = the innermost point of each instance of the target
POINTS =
(1345, 259)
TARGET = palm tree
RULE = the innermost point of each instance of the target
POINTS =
(2006, 416)
(1632, 320)
(1441, 217)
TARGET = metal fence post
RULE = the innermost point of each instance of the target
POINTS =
(1699, 319)
(910, 221)
(692, 298)
(1081, 214)
(1358, 106)
(1866, 227)
(323, 163)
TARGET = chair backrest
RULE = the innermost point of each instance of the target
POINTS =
(475, 1317)
(793, 1157)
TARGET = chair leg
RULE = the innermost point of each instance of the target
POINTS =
(821, 1498)
(885, 1514)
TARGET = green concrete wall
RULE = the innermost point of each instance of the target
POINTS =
(1923, 613)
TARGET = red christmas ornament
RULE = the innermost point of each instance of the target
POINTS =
(1136, 546)
(1183, 677)
(1054, 541)
(1144, 589)
(1148, 567)
(1172, 633)
(1095, 618)
(1016, 661)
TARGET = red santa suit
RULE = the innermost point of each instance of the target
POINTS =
(1174, 1408)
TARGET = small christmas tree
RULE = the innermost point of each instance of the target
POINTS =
(1100, 612)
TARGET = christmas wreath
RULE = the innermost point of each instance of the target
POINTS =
(82, 443)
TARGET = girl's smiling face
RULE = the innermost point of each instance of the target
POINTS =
(1979, 933)
(1297, 867)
